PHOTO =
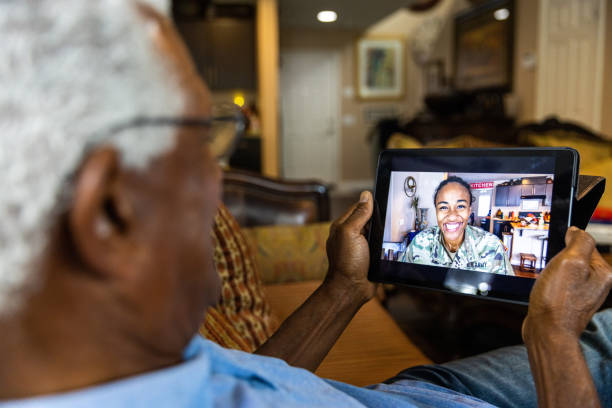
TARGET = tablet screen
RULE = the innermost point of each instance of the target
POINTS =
(471, 221)
(488, 222)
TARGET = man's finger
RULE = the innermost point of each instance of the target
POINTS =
(579, 242)
(362, 212)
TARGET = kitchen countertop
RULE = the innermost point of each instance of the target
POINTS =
(517, 225)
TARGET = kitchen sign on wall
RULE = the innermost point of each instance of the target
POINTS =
(484, 184)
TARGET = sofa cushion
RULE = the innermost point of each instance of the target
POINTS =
(464, 141)
(590, 150)
(290, 253)
(402, 141)
(242, 319)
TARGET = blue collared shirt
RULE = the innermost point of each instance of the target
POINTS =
(211, 376)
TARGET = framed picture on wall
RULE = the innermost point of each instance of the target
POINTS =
(381, 69)
(484, 39)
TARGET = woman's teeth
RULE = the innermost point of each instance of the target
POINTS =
(453, 226)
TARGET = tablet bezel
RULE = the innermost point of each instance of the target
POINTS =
(501, 287)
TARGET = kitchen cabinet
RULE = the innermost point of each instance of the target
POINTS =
(514, 196)
(533, 189)
(508, 196)
(539, 189)
(501, 195)
(527, 189)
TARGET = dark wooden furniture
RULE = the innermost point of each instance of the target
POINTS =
(528, 262)
(554, 124)
(482, 130)
(427, 129)
(221, 40)
(257, 200)
(247, 155)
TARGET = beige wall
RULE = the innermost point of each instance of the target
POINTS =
(355, 151)
(357, 157)
(357, 160)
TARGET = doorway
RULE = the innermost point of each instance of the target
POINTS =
(310, 112)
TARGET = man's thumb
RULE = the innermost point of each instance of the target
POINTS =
(362, 213)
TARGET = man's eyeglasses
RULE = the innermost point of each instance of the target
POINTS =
(225, 129)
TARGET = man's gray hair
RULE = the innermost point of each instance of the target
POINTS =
(69, 69)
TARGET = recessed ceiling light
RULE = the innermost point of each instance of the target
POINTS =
(501, 14)
(327, 16)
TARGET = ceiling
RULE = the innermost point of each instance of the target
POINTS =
(352, 14)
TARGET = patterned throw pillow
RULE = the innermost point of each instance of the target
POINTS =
(242, 319)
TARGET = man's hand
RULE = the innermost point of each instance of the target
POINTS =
(563, 300)
(304, 339)
(570, 290)
(347, 250)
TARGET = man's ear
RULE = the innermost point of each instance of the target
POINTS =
(100, 216)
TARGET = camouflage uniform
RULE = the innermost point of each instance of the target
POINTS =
(480, 251)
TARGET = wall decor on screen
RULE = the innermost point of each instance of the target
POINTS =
(484, 47)
(380, 68)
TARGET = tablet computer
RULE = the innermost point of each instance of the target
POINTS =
(480, 222)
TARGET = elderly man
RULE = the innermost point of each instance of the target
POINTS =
(105, 255)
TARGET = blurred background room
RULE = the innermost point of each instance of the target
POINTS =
(327, 84)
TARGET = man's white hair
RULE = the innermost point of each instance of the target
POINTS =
(69, 69)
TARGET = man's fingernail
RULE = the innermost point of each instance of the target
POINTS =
(364, 197)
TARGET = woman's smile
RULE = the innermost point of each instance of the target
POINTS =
(452, 226)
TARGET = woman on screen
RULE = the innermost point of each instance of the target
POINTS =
(454, 243)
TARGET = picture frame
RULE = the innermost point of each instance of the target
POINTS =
(381, 68)
(484, 47)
